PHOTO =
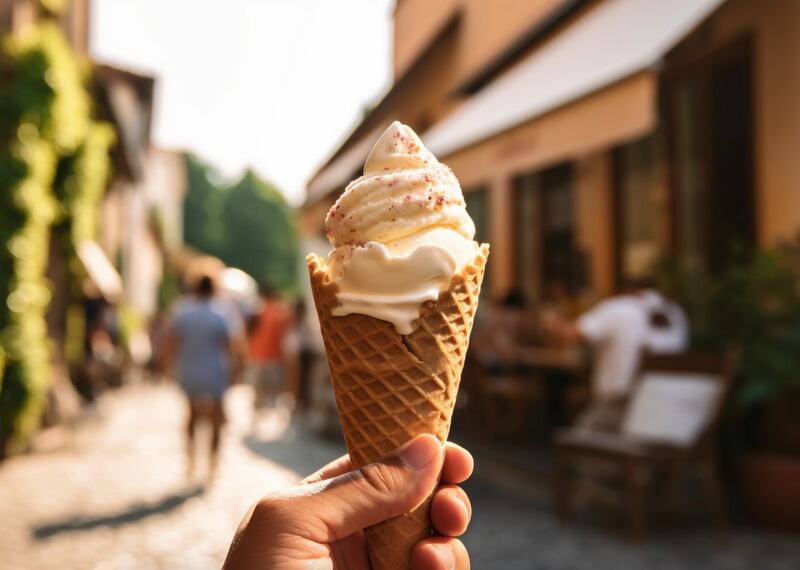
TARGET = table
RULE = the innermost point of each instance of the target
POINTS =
(574, 360)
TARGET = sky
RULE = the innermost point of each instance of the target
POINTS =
(270, 84)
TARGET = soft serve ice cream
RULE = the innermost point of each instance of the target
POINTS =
(400, 232)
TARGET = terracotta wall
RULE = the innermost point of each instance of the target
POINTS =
(488, 27)
(594, 214)
(778, 112)
(416, 24)
(774, 26)
(500, 204)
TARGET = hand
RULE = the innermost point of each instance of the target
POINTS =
(319, 523)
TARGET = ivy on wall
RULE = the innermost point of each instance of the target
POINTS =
(53, 167)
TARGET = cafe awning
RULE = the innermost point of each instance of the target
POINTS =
(100, 270)
(612, 41)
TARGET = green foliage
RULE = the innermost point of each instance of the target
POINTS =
(81, 182)
(169, 288)
(260, 233)
(45, 133)
(754, 304)
(249, 225)
(202, 209)
(79, 186)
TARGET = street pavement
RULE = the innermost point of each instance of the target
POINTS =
(112, 493)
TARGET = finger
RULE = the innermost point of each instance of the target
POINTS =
(335, 508)
(337, 467)
(440, 553)
(458, 464)
(451, 511)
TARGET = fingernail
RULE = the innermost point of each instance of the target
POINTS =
(463, 506)
(446, 556)
(419, 452)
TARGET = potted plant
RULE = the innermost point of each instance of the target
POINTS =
(759, 308)
(754, 305)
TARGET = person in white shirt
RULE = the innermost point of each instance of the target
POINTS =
(619, 330)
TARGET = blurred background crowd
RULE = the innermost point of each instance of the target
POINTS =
(634, 370)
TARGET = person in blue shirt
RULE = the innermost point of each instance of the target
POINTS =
(200, 346)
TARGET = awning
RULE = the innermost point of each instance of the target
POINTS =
(610, 42)
(100, 270)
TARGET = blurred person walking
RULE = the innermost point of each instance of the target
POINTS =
(201, 343)
(224, 302)
(267, 370)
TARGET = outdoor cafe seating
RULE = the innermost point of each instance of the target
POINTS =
(669, 429)
(537, 386)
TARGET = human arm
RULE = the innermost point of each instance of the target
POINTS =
(562, 331)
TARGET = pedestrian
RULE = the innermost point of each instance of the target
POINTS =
(266, 343)
(320, 522)
(200, 344)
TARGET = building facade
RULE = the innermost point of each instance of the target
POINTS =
(592, 138)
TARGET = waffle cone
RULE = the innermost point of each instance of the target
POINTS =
(391, 388)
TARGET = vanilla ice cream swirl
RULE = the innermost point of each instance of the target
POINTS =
(400, 232)
(404, 190)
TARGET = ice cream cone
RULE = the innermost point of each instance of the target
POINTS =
(390, 387)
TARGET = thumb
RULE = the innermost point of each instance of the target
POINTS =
(378, 491)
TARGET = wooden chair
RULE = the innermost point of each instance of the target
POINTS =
(641, 447)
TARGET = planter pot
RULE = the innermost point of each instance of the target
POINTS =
(771, 489)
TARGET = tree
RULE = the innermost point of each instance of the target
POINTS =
(202, 208)
(260, 233)
(248, 225)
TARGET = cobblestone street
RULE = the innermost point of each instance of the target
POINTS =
(114, 495)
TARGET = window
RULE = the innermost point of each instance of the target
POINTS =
(641, 204)
(548, 262)
(526, 236)
(477, 208)
(560, 271)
